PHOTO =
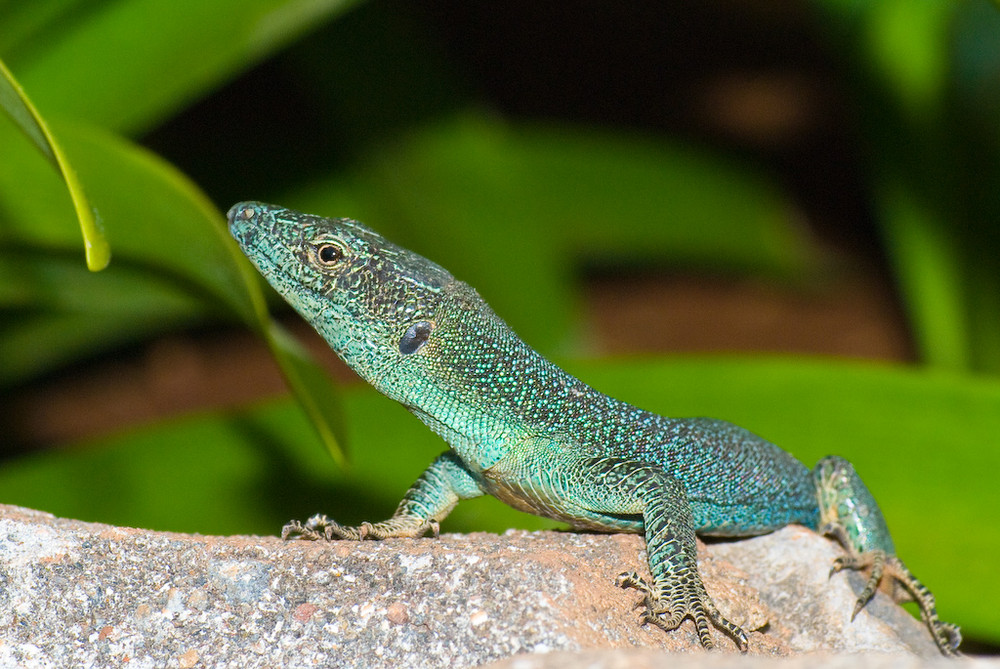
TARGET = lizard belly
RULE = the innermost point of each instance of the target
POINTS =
(543, 501)
(545, 480)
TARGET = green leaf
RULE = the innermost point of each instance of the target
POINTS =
(16, 103)
(927, 259)
(53, 311)
(909, 45)
(621, 197)
(153, 215)
(87, 63)
(160, 225)
(310, 385)
(25, 23)
(926, 90)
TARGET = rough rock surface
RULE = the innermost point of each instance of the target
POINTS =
(84, 594)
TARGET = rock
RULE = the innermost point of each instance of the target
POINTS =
(85, 594)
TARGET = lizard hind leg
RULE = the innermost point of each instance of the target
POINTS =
(676, 592)
(849, 514)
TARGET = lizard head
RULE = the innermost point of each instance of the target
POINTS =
(374, 302)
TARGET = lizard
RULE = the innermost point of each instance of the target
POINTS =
(530, 434)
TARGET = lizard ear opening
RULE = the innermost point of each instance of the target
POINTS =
(415, 336)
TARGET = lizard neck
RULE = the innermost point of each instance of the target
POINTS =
(481, 388)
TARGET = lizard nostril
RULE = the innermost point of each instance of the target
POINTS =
(240, 213)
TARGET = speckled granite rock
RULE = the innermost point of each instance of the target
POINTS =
(84, 594)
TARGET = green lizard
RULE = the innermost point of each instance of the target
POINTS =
(521, 429)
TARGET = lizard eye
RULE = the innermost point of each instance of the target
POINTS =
(415, 336)
(329, 254)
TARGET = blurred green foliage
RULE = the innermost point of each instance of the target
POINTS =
(509, 206)
(926, 83)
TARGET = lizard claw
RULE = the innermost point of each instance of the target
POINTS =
(320, 527)
(905, 586)
(308, 531)
(668, 611)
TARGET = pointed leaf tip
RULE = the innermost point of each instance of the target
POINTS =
(19, 107)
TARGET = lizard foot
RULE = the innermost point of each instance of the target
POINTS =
(946, 635)
(688, 600)
(320, 527)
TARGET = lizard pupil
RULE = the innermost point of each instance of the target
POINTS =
(329, 254)
(415, 336)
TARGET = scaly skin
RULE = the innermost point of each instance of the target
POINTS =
(528, 433)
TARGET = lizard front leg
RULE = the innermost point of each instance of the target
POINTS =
(676, 591)
(423, 507)
(849, 513)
